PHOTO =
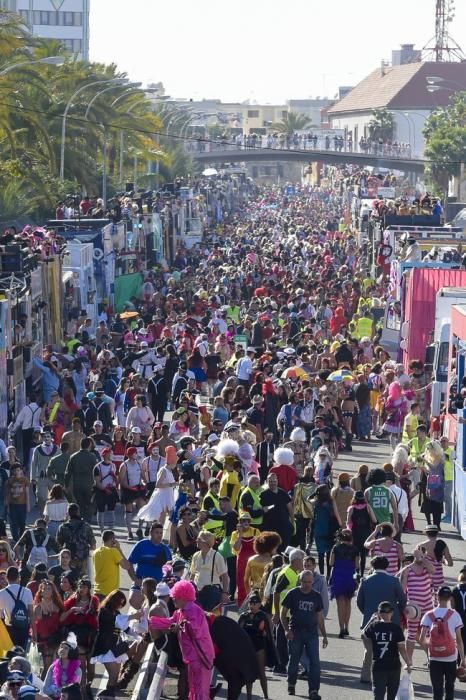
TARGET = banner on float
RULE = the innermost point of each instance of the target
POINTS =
(126, 286)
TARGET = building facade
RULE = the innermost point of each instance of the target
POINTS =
(64, 20)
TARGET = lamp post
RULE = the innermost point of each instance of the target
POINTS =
(67, 109)
(101, 92)
(48, 60)
(122, 133)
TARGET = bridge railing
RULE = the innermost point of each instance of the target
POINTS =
(392, 150)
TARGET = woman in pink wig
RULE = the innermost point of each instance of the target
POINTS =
(190, 623)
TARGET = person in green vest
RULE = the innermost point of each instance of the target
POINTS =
(286, 580)
(249, 501)
(381, 499)
(410, 423)
(211, 506)
(233, 313)
(365, 326)
(416, 448)
(448, 477)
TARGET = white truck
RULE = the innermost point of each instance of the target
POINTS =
(446, 297)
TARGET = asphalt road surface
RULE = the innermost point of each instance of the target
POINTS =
(341, 661)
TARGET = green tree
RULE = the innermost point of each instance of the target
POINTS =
(381, 125)
(445, 135)
(292, 122)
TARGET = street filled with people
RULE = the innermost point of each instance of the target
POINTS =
(210, 421)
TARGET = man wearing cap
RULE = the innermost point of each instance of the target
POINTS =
(264, 453)
(443, 646)
(132, 488)
(388, 643)
(105, 488)
(79, 478)
(244, 368)
(100, 438)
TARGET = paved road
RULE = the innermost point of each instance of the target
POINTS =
(342, 658)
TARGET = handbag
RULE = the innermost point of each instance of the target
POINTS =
(405, 689)
(210, 596)
(225, 548)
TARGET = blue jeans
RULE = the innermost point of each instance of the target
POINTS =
(303, 640)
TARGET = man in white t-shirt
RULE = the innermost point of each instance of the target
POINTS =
(8, 596)
(244, 367)
(443, 652)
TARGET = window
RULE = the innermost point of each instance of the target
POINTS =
(284, 113)
(73, 45)
(68, 19)
(25, 15)
(78, 19)
(253, 114)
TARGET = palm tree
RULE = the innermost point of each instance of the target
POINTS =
(291, 123)
(382, 125)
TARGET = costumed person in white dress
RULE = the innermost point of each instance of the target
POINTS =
(162, 501)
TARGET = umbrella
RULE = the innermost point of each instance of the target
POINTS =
(208, 172)
(341, 375)
(295, 373)
(128, 314)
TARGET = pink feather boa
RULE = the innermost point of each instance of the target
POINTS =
(73, 666)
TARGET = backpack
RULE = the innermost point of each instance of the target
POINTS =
(19, 617)
(38, 553)
(441, 643)
(76, 541)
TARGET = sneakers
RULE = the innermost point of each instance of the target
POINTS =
(278, 671)
(291, 690)
(314, 695)
(139, 535)
(130, 537)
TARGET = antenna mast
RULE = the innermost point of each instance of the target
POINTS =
(442, 47)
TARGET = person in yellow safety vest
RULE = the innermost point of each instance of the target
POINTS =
(286, 580)
(448, 478)
(211, 505)
(416, 448)
(249, 501)
(365, 326)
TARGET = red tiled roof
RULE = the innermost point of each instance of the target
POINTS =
(402, 87)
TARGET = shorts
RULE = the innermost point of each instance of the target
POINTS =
(105, 500)
(131, 495)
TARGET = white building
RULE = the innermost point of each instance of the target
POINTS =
(64, 20)
(402, 90)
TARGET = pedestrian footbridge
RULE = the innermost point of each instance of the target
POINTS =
(211, 153)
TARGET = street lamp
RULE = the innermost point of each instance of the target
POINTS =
(122, 133)
(48, 60)
(67, 109)
(101, 92)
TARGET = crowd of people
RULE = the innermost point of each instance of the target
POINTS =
(208, 415)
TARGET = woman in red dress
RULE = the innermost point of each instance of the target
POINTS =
(47, 609)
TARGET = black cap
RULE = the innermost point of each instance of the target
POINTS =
(444, 592)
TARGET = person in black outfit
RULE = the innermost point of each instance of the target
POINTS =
(264, 453)
(344, 354)
(362, 519)
(103, 411)
(157, 390)
(110, 624)
(256, 624)
(87, 415)
(388, 643)
(235, 657)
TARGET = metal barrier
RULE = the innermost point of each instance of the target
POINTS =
(156, 686)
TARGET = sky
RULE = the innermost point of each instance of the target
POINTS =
(264, 51)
